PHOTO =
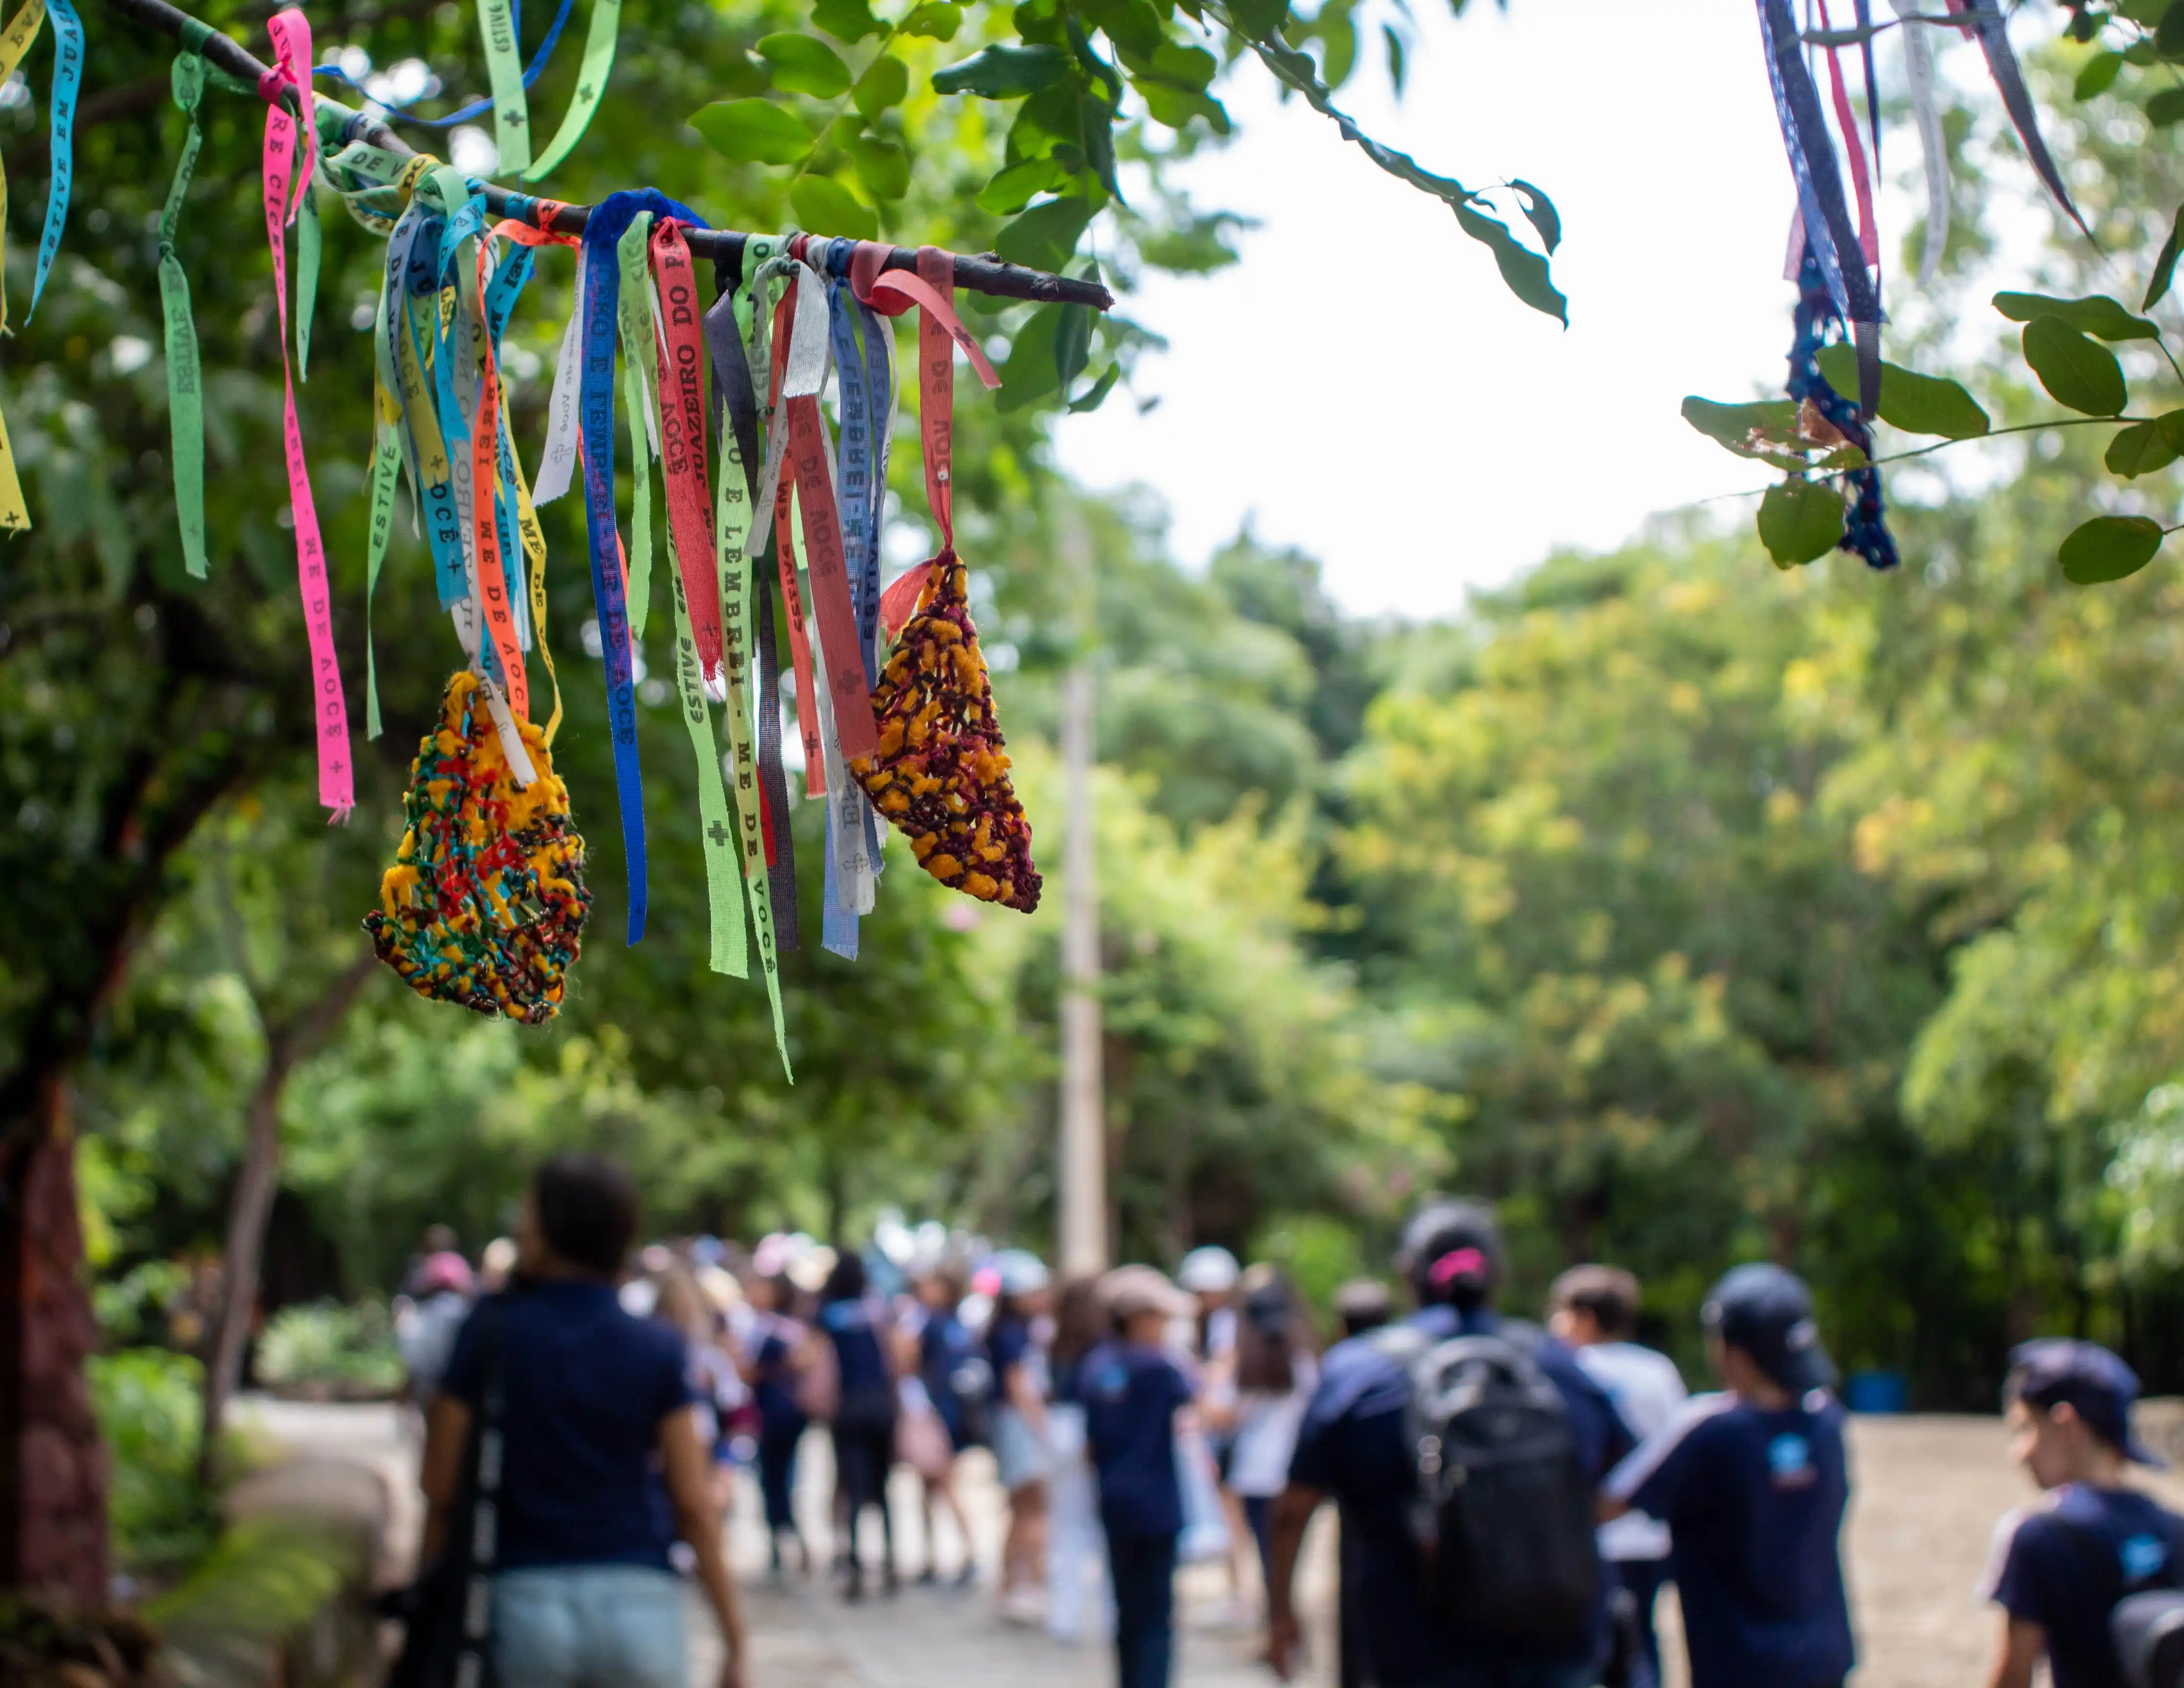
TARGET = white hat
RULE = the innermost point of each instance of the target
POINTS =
(1210, 1270)
(1022, 1271)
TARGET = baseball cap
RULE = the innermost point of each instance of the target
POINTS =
(1019, 1272)
(1130, 1291)
(1768, 1312)
(2099, 1387)
(1210, 1270)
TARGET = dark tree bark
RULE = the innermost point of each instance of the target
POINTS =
(286, 1044)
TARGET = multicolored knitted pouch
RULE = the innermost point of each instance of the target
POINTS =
(486, 900)
(942, 773)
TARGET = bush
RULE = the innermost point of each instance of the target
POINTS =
(330, 1348)
(150, 1405)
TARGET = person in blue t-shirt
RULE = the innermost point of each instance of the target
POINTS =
(771, 1367)
(1753, 1483)
(2058, 1568)
(864, 1413)
(1131, 1391)
(596, 1409)
(1354, 1445)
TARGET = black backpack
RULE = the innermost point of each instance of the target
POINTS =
(2147, 1625)
(1503, 1512)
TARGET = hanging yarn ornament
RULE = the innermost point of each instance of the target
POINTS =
(942, 774)
(1866, 527)
(486, 900)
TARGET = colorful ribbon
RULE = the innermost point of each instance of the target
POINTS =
(185, 376)
(68, 78)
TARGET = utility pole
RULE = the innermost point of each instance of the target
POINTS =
(1081, 1160)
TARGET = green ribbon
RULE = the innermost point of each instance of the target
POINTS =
(309, 238)
(724, 902)
(503, 69)
(634, 317)
(591, 84)
(185, 373)
(385, 472)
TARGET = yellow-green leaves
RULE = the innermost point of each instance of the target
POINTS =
(753, 131)
(823, 205)
(2145, 447)
(2109, 547)
(804, 64)
(1917, 403)
(883, 167)
(1799, 522)
(2096, 314)
(885, 82)
(2077, 370)
(1044, 236)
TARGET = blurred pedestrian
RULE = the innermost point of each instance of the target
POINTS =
(1595, 1310)
(1752, 1484)
(1362, 1304)
(864, 1423)
(428, 1320)
(584, 1405)
(770, 1367)
(1276, 1369)
(1132, 1391)
(2060, 1568)
(956, 1378)
(1078, 1601)
(1022, 1457)
(1536, 1435)
(1209, 1275)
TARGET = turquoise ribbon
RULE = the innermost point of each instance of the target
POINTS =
(68, 77)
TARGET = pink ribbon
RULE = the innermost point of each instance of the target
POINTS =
(292, 39)
(1464, 1262)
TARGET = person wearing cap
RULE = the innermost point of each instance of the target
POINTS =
(2059, 1567)
(1753, 1483)
(1131, 1391)
(1021, 1455)
(1209, 1273)
(1354, 1445)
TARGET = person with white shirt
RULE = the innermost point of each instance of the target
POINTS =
(1595, 1310)
(1275, 1372)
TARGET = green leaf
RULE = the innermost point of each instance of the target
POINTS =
(883, 167)
(1337, 42)
(2099, 75)
(850, 21)
(2147, 12)
(1260, 18)
(805, 65)
(1132, 25)
(1033, 372)
(1043, 237)
(1073, 338)
(2076, 372)
(2109, 547)
(2098, 315)
(1395, 43)
(1539, 212)
(1002, 72)
(1917, 403)
(2168, 33)
(1761, 430)
(1175, 108)
(824, 207)
(1017, 186)
(1799, 522)
(1099, 125)
(1189, 68)
(1096, 395)
(885, 82)
(935, 21)
(753, 131)
(1523, 272)
(2165, 266)
(2145, 447)
(2165, 107)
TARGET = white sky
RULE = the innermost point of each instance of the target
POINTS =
(1363, 386)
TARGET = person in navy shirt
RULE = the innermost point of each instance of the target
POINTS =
(1131, 1391)
(864, 1414)
(1753, 1483)
(2059, 1567)
(1354, 1445)
(597, 1411)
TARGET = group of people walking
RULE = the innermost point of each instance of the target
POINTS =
(1512, 1498)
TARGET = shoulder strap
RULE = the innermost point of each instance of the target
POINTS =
(471, 1659)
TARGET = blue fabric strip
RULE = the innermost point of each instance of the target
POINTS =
(1812, 156)
(68, 77)
(335, 73)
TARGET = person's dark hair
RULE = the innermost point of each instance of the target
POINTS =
(1079, 1324)
(1363, 1304)
(1452, 1254)
(846, 1281)
(1273, 1327)
(1608, 1294)
(441, 1240)
(588, 1211)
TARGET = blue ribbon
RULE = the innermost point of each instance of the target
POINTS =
(602, 294)
(1812, 154)
(443, 524)
(335, 73)
(68, 77)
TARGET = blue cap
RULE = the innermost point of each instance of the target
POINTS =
(2099, 1387)
(1768, 1312)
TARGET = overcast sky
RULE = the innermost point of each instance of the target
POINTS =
(1362, 386)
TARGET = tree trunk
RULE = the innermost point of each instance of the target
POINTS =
(53, 1464)
(255, 1185)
